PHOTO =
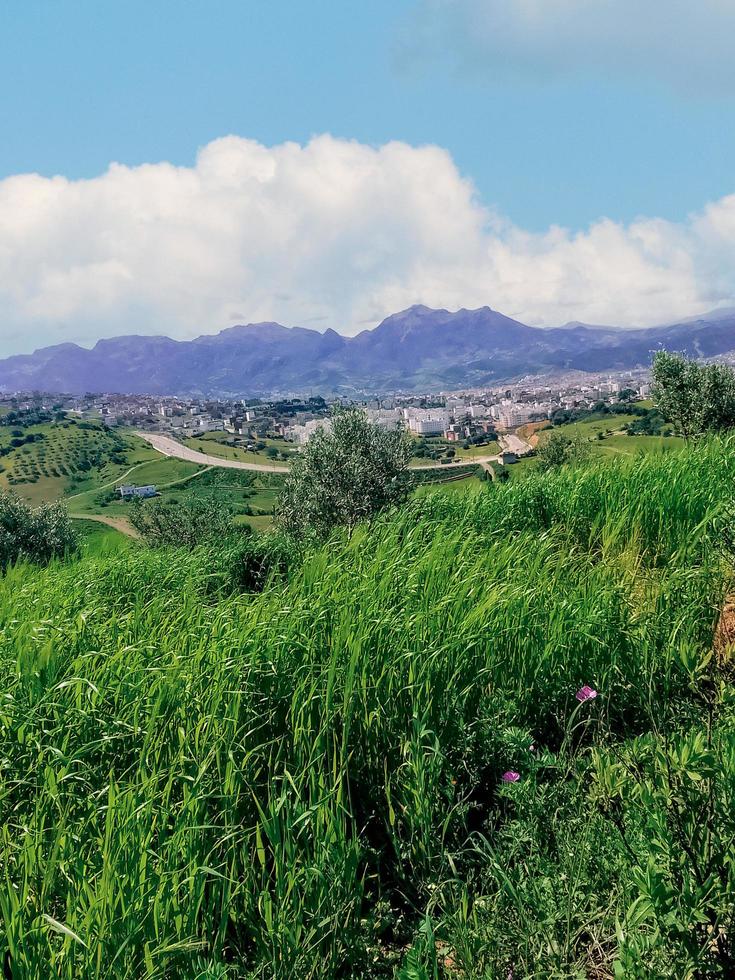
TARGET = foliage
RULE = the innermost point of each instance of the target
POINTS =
(677, 793)
(256, 559)
(697, 398)
(33, 535)
(601, 409)
(650, 424)
(438, 475)
(193, 521)
(307, 781)
(27, 416)
(560, 449)
(344, 476)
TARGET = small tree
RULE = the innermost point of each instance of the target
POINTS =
(197, 520)
(559, 449)
(344, 476)
(696, 397)
(33, 535)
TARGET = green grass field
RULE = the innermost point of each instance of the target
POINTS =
(379, 766)
(216, 444)
(463, 486)
(98, 539)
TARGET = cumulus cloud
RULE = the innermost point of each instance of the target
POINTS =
(333, 233)
(679, 42)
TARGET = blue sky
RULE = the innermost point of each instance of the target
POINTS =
(87, 82)
(553, 123)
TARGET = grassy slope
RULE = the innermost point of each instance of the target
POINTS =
(98, 539)
(293, 782)
(215, 444)
(63, 446)
(53, 466)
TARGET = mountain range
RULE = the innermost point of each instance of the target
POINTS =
(419, 349)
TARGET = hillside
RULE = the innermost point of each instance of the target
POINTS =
(485, 738)
(43, 462)
(417, 349)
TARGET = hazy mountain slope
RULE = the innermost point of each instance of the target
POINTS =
(418, 348)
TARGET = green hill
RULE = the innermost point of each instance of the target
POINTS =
(45, 461)
(319, 780)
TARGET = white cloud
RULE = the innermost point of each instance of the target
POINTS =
(682, 43)
(333, 233)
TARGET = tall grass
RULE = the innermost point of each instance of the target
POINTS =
(307, 782)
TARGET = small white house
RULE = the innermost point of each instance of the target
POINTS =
(128, 491)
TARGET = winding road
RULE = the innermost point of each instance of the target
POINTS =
(170, 447)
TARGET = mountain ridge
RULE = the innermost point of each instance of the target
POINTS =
(415, 349)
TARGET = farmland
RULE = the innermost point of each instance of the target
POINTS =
(49, 460)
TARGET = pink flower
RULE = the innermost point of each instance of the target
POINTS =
(586, 693)
(511, 777)
(532, 748)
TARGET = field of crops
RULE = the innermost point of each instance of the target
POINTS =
(484, 738)
(46, 461)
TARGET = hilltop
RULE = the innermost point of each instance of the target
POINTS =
(416, 349)
(484, 737)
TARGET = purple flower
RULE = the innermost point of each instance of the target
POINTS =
(586, 693)
(511, 777)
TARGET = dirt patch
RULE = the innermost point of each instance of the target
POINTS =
(724, 641)
(529, 431)
(119, 523)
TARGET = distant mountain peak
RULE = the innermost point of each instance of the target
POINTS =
(419, 349)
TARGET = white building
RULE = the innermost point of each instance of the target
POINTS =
(427, 427)
(512, 414)
(385, 418)
(128, 490)
(427, 421)
(301, 434)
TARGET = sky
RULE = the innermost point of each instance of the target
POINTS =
(176, 167)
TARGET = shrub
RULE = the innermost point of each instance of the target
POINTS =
(559, 449)
(696, 397)
(33, 535)
(198, 520)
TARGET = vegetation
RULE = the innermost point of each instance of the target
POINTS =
(33, 535)
(696, 397)
(45, 461)
(484, 736)
(184, 524)
(344, 476)
(560, 449)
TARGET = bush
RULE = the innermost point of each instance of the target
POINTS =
(197, 521)
(33, 535)
(560, 449)
(257, 557)
(344, 476)
(697, 398)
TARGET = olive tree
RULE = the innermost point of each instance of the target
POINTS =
(33, 535)
(697, 398)
(348, 471)
(197, 520)
(560, 449)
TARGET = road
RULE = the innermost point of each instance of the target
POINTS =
(170, 447)
(107, 486)
(119, 523)
(513, 444)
